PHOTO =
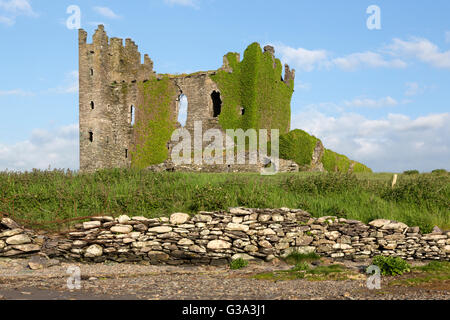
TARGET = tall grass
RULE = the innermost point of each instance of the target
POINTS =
(41, 196)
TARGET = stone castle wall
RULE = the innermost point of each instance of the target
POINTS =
(218, 237)
(109, 77)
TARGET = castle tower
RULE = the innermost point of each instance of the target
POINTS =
(108, 73)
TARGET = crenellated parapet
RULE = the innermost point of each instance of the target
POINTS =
(288, 74)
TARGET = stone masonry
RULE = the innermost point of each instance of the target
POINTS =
(109, 74)
(218, 237)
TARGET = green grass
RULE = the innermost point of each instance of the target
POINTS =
(297, 257)
(305, 271)
(41, 196)
(437, 272)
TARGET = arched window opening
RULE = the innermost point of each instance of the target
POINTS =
(91, 136)
(92, 72)
(132, 115)
(242, 111)
(182, 106)
(217, 103)
(92, 105)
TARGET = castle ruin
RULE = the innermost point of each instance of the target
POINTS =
(128, 112)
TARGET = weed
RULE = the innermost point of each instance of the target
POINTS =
(238, 264)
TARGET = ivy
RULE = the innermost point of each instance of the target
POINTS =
(298, 146)
(255, 85)
(335, 162)
(155, 122)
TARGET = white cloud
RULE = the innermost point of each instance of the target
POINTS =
(302, 59)
(13, 8)
(57, 148)
(302, 85)
(372, 103)
(15, 92)
(414, 89)
(308, 60)
(6, 21)
(184, 3)
(421, 49)
(366, 59)
(70, 84)
(106, 12)
(393, 144)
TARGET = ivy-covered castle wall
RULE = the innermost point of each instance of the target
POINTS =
(128, 112)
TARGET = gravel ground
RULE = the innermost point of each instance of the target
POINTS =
(145, 282)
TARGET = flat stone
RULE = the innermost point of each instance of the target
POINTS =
(94, 251)
(264, 217)
(218, 245)
(197, 249)
(2, 244)
(185, 242)
(179, 218)
(277, 218)
(9, 223)
(140, 219)
(304, 241)
(268, 232)
(237, 227)
(341, 246)
(122, 229)
(251, 248)
(10, 233)
(91, 225)
(239, 211)
(27, 247)
(238, 219)
(395, 226)
(434, 236)
(103, 219)
(265, 244)
(161, 229)
(243, 256)
(11, 253)
(202, 218)
(18, 239)
(305, 249)
(158, 255)
(337, 255)
(379, 223)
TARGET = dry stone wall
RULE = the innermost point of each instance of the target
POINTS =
(218, 237)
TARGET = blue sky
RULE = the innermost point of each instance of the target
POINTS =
(379, 96)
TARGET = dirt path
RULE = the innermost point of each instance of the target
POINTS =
(127, 281)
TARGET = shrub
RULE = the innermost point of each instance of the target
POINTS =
(411, 172)
(439, 172)
(238, 264)
(391, 266)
